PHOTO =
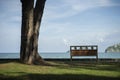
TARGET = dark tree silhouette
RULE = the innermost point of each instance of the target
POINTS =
(31, 20)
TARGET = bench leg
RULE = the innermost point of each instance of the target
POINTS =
(96, 58)
(71, 58)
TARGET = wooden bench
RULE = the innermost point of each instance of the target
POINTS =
(88, 50)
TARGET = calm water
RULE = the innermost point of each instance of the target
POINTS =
(62, 55)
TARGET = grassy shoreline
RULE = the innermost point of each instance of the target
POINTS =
(60, 70)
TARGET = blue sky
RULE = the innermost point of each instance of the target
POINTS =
(64, 23)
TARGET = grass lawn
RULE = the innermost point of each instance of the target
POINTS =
(60, 70)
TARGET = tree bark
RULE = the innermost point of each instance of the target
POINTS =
(38, 12)
(31, 19)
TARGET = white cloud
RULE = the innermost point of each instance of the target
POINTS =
(57, 33)
(73, 7)
(10, 25)
(66, 42)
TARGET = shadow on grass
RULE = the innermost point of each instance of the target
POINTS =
(106, 66)
(2, 61)
(56, 77)
(102, 66)
(64, 65)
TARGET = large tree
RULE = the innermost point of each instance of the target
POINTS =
(31, 20)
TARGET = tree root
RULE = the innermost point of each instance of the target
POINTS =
(42, 62)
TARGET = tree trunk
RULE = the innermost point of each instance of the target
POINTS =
(38, 12)
(31, 19)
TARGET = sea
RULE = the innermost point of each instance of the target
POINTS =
(62, 55)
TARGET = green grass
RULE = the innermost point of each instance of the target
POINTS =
(60, 70)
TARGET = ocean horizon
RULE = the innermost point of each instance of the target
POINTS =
(62, 55)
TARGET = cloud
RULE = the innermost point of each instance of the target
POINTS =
(73, 7)
(10, 6)
(71, 34)
(66, 42)
(10, 11)
(86, 38)
(55, 31)
(10, 27)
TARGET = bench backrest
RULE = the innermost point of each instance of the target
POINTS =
(90, 50)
